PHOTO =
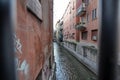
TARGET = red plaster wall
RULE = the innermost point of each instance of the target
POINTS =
(34, 36)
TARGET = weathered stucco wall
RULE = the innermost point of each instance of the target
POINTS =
(33, 40)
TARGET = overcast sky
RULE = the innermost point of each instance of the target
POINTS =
(59, 9)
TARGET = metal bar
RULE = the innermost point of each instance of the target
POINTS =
(7, 17)
(108, 39)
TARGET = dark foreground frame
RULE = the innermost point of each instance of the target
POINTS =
(7, 59)
(108, 39)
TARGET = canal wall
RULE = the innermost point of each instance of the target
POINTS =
(88, 60)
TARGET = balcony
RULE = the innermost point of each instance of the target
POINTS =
(80, 26)
(82, 9)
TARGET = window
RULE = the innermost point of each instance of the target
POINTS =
(73, 34)
(94, 14)
(73, 6)
(70, 11)
(87, 2)
(87, 17)
(34, 6)
(94, 35)
(84, 35)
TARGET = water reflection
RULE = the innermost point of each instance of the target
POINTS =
(68, 67)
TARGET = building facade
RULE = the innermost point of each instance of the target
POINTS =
(87, 12)
(85, 31)
(69, 20)
(59, 31)
(33, 39)
(70, 33)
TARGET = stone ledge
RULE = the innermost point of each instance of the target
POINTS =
(81, 61)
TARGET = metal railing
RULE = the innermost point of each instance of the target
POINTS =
(80, 26)
(82, 9)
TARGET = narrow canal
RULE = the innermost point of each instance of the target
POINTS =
(68, 67)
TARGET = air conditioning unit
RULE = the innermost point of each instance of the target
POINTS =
(83, 5)
(94, 38)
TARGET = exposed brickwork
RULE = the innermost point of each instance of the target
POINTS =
(36, 40)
